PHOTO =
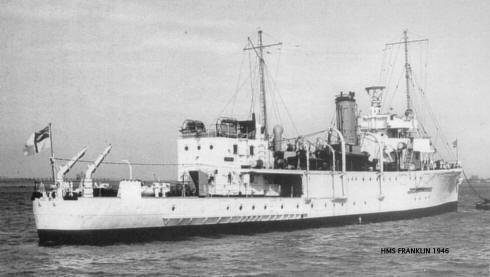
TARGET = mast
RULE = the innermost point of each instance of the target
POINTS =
(407, 68)
(263, 104)
(407, 65)
(260, 55)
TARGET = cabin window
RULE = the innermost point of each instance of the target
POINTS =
(235, 149)
(186, 148)
(251, 150)
(211, 147)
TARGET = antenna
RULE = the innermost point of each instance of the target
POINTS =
(260, 56)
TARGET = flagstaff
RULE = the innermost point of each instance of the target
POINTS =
(52, 154)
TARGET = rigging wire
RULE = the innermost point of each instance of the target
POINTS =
(238, 84)
(383, 61)
(237, 90)
(272, 97)
(393, 93)
(266, 68)
(390, 71)
(444, 140)
(394, 61)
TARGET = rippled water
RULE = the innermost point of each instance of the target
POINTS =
(349, 250)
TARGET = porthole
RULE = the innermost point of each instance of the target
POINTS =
(363, 179)
(241, 207)
(227, 208)
(325, 204)
(369, 178)
(365, 203)
(211, 147)
(282, 206)
(186, 148)
(265, 207)
(173, 208)
(353, 203)
(199, 147)
(297, 206)
(312, 205)
(253, 207)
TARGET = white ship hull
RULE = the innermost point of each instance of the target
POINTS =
(361, 197)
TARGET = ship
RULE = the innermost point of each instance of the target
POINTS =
(240, 176)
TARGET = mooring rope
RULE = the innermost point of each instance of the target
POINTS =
(474, 190)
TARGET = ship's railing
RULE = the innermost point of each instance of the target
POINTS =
(213, 133)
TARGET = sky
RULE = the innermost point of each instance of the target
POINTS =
(128, 73)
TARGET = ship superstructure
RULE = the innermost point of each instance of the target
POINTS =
(236, 175)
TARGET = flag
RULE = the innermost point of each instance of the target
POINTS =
(455, 143)
(37, 142)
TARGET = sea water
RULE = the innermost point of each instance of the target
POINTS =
(357, 250)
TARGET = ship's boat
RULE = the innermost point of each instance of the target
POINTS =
(236, 176)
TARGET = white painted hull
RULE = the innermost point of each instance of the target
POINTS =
(363, 197)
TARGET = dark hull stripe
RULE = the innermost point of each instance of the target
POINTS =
(48, 237)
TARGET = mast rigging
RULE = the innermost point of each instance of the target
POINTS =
(407, 64)
(260, 56)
